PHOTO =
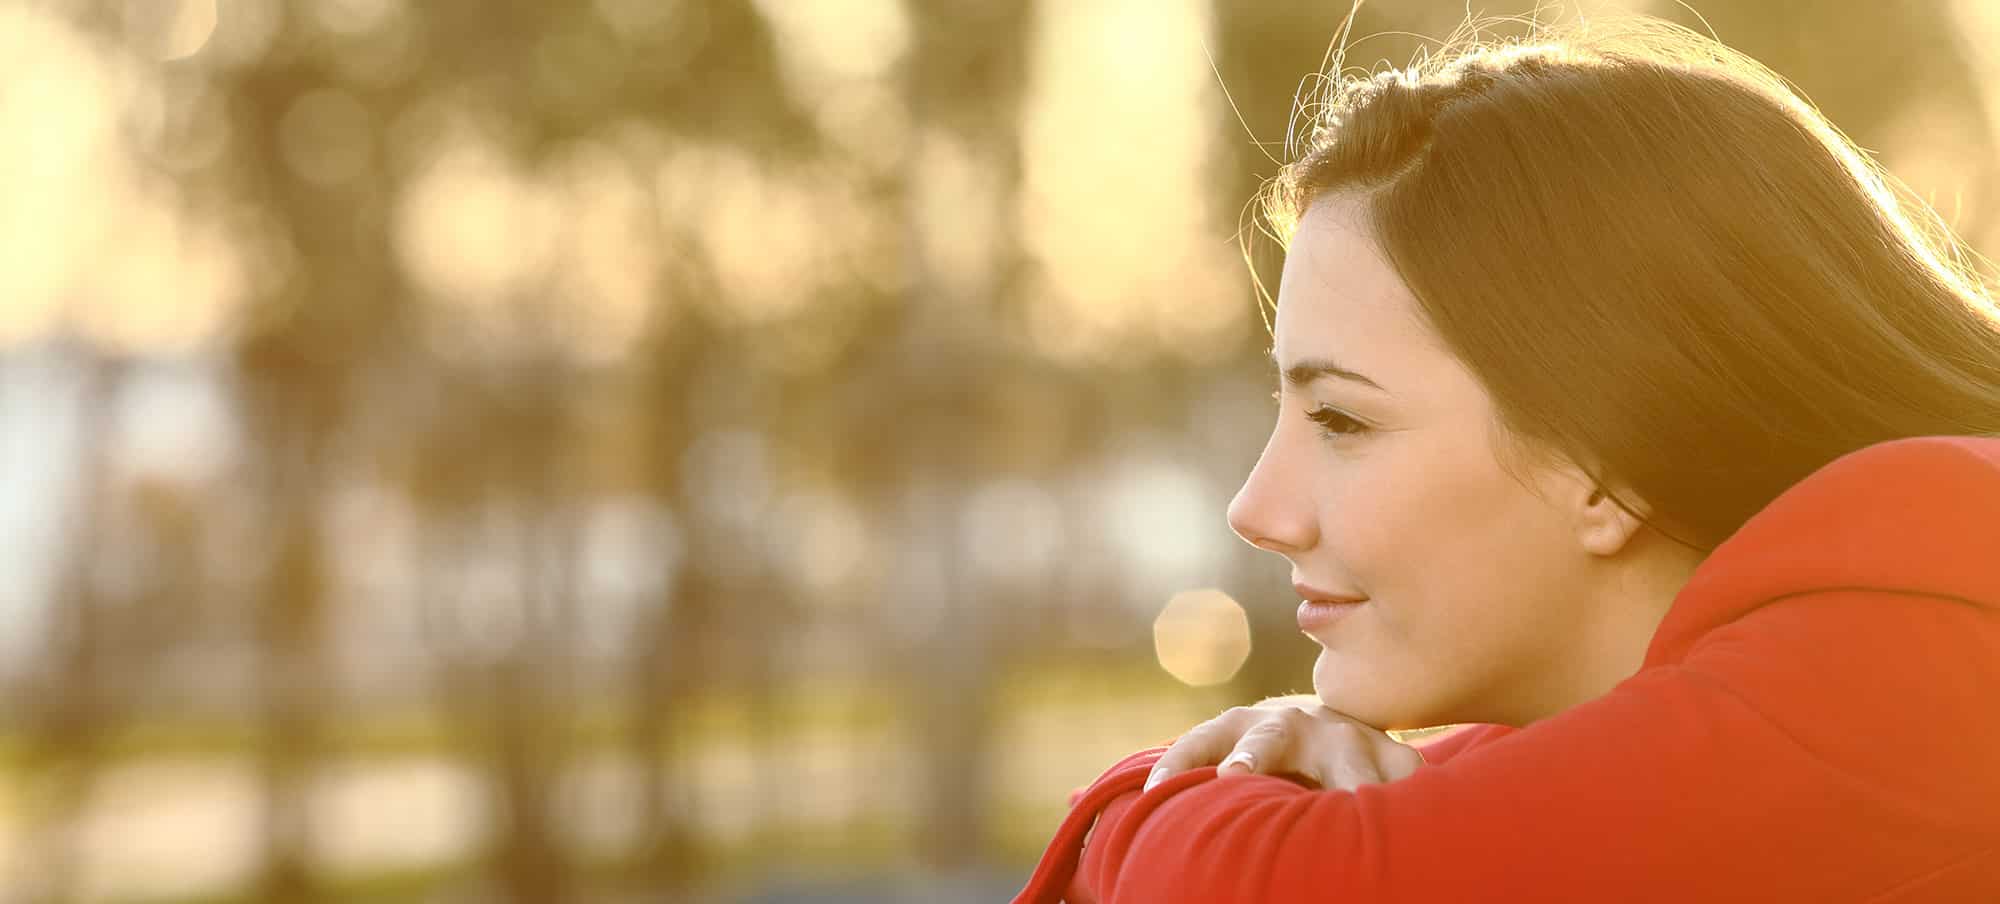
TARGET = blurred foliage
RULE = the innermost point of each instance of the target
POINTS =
(675, 449)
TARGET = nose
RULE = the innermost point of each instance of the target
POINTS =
(1272, 511)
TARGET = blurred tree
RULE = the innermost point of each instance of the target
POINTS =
(336, 312)
(497, 484)
(726, 89)
(76, 709)
(290, 405)
(964, 80)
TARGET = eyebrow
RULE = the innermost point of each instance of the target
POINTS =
(1309, 369)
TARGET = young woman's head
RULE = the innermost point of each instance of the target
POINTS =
(1557, 318)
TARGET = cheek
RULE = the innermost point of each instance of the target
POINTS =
(1438, 539)
(1444, 554)
(1390, 520)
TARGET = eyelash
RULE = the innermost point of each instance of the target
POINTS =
(1328, 417)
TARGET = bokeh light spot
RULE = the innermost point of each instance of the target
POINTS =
(170, 30)
(472, 227)
(1201, 637)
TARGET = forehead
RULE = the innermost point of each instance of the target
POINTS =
(1340, 296)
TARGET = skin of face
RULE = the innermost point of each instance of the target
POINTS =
(1487, 601)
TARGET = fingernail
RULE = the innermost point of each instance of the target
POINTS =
(1153, 779)
(1241, 757)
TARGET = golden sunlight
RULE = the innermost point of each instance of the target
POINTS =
(475, 231)
(842, 39)
(89, 237)
(59, 112)
(1980, 21)
(1117, 219)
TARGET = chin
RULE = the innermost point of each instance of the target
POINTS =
(1350, 701)
(1382, 712)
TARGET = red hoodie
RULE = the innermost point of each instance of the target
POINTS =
(1817, 719)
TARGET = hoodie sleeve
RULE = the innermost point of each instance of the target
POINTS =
(1784, 757)
(1451, 743)
(1091, 863)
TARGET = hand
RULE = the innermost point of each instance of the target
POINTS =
(1305, 741)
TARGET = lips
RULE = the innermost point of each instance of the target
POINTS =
(1317, 616)
(1312, 594)
(1319, 609)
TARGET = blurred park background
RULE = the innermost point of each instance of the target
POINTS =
(669, 450)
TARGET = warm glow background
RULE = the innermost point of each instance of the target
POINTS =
(693, 450)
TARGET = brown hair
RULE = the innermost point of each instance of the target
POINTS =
(1661, 262)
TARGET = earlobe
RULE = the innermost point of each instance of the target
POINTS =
(1606, 525)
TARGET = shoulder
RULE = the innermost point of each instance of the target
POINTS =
(1881, 511)
(1914, 457)
(1925, 475)
(1914, 516)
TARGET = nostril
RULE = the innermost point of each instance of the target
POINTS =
(1268, 544)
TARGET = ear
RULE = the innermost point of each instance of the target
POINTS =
(1603, 526)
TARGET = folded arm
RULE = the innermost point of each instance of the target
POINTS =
(1758, 763)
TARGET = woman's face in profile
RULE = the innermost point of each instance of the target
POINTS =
(1381, 480)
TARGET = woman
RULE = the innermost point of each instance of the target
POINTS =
(1625, 413)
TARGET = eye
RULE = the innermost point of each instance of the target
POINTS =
(1334, 423)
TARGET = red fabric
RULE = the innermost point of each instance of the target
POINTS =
(1816, 719)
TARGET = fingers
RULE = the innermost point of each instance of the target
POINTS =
(1262, 747)
(1397, 760)
(1203, 744)
(1327, 749)
(1377, 759)
(1365, 755)
(1353, 758)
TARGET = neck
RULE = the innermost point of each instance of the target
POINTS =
(1635, 590)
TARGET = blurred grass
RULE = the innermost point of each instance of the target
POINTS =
(816, 706)
(378, 732)
(1065, 719)
(387, 887)
(866, 848)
